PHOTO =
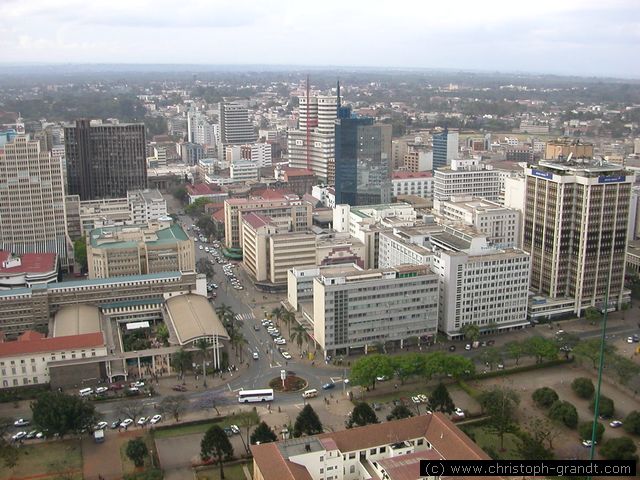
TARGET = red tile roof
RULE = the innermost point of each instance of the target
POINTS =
(256, 220)
(296, 172)
(52, 344)
(200, 189)
(30, 263)
(30, 335)
(218, 216)
(401, 175)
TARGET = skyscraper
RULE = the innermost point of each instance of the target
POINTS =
(105, 160)
(445, 147)
(363, 161)
(32, 208)
(235, 126)
(575, 227)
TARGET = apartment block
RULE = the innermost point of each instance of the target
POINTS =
(500, 224)
(272, 203)
(141, 249)
(412, 183)
(467, 177)
(576, 222)
(382, 451)
(32, 208)
(406, 245)
(356, 309)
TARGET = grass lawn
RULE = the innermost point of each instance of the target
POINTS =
(127, 464)
(189, 429)
(47, 459)
(231, 472)
(489, 440)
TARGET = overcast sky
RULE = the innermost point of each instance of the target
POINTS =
(578, 37)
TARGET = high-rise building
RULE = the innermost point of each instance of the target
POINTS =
(363, 167)
(575, 227)
(468, 177)
(445, 148)
(32, 206)
(105, 160)
(235, 126)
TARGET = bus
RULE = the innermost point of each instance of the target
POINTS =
(264, 395)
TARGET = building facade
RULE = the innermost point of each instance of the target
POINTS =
(412, 183)
(468, 177)
(106, 160)
(32, 206)
(445, 148)
(235, 126)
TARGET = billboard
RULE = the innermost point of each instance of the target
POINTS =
(612, 179)
(540, 173)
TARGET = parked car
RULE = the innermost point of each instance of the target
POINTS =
(615, 424)
(126, 422)
(21, 422)
(116, 423)
(18, 436)
(142, 421)
(32, 434)
(100, 390)
(467, 346)
(328, 386)
(101, 426)
(286, 355)
(588, 443)
(458, 412)
(138, 384)
(155, 419)
(228, 431)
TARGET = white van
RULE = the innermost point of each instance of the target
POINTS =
(310, 393)
(85, 392)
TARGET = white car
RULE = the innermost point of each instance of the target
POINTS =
(281, 341)
(201, 247)
(18, 436)
(142, 421)
(416, 399)
(458, 412)
(102, 389)
(101, 426)
(21, 422)
(126, 422)
(615, 424)
(155, 419)
(588, 443)
(138, 384)
(382, 378)
(286, 355)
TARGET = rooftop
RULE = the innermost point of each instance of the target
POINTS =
(584, 166)
(76, 320)
(52, 344)
(200, 189)
(256, 220)
(400, 175)
(193, 317)
(27, 263)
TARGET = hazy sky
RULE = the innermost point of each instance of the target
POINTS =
(581, 37)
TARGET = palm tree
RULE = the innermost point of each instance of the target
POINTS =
(181, 359)
(288, 318)
(241, 342)
(278, 312)
(203, 349)
(224, 311)
(299, 335)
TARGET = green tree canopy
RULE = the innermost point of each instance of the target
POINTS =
(544, 397)
(80, 252)
(408, 365)
(8, 452)
(585, 429)
(541, 348)
(137, 451)
(632, 422)
(606, 406)
(590, 350)
(367, 368)
(215, 445)
(399, 411)
(515, 350)
(622, 448)
(471, 331)
(564, 412)
(532, 448)
(362, 415)
(307, 422)
(500, 405)
(263, 434)
(440, 400)
(583, 387)
(57, 412)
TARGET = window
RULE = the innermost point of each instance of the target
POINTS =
(372, 451)
(420, 441)
(322, 458)
(352, 455)
(352, 469)
(35, 379)
(322, 470)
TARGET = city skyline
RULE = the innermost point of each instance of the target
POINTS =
(581, 38)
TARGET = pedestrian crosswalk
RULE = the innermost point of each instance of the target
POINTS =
(245, 317)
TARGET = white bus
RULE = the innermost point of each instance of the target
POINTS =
(264, 395)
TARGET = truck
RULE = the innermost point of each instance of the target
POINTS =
(98, 436)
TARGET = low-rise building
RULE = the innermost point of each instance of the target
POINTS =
(382, 451)
(412, 183)
(141, 249)
(28, 269)
(356, 309)
(202, 190)
(243, 171)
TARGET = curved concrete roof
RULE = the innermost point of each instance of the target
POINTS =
(193, 317)
(76, 320)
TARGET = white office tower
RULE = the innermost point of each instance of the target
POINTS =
(467, 177)
(319, 115)
(261, 154)
(32, 206)
(235, 126)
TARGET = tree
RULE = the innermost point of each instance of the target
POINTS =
(8, 452)
(491, 356)
(592, 315)
(500, 405)
(181, 360)
(131, 409)
(57, 412)
(585, 429)
(470, 331)
(307, 422)
(541, 348)
(440, 400)
(278, 312)
(203, 350)
(299, 335)
(545, 397)
(625, 368)
(564, 412)
(399, 411)
(583, 387)
(215, 445)
(606, 407)
(80, 252)
(367, 368)
(180, 193)
(137, 450)
(174, 405)
(590, 349)
(532, 448)
(204, 265)
(632, 422)
(162, 333)
(514, 350)
(197, 207)
(362, 415)
(263, 434)
(622, 448)
(408, 365)
(288, 318)
(544, 430)
(246, 422)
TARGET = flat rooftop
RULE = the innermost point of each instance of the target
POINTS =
(76, 320)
